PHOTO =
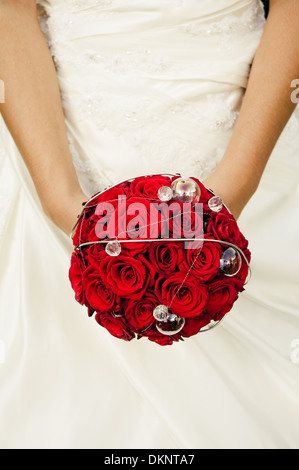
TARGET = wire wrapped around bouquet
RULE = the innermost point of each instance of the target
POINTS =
(158, 256)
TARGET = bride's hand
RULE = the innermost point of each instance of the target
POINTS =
(234, 190)
(64, 209)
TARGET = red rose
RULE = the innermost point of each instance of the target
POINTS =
(134, 248)
(126, 276)
(166, 256)
(243, 273)
(76, 271)
(194, 325)
(162, 340)
(112, 194)
(94, 254)
(115, 325)
(185, 296)
(99, 296)
(224, 227)
(76, 276)
(139, 313)
(148, 186)
(222, 295)
(204, 262)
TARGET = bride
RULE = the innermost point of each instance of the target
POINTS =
(97, 91)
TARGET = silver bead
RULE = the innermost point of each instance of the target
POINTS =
(165, 193)
(167, 323)
(230, 262)
(161, 313)
(113, 248)
(186, 190)
(171, 326)
(215, 204)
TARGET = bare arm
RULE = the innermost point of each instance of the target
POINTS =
(266, 108)
(34, 115)
(33, 111)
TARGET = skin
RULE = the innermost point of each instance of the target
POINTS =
(34, 115)
(266, 108)
(33, 112)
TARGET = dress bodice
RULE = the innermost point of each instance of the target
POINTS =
(156, 86)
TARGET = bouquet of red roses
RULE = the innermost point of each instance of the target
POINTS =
(158, 256)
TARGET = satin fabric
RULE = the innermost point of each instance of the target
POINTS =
(149, 87)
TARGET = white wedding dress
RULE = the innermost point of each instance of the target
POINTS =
(149, 86)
